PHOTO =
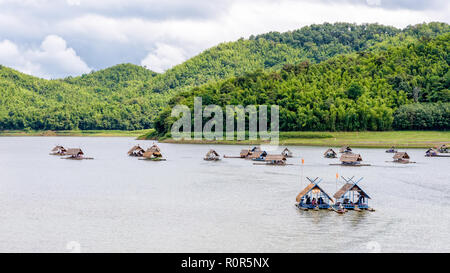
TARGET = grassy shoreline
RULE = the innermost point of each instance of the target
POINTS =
(77, 133)
(400, 139)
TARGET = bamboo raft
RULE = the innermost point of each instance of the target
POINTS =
(76, 154)
(448, 155)
(401, 162)
(350, 165)
(272, 164)
(152, 159)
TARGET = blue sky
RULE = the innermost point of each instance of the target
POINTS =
(54, 39)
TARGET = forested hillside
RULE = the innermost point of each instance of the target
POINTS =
(110, 99)
(360, 91)
(131, 97)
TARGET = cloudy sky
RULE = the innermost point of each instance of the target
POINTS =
(58, 38)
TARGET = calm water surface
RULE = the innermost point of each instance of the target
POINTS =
(120, 204)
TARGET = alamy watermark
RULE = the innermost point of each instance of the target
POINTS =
(209, 122)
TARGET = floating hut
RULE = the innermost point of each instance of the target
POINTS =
(443, 149)
(391, 150)
(212, 156)
(345, 150)
(431, 152)
(351, 160)
(275, 160)
(75, 154)
(287, 153)
(330, 153)
(136, 151)
(401, 157)
(352, 197)
(434, 153)
(258, 156)
(313, 197)
(58, 150)
(153, 153)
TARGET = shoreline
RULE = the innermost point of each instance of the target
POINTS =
(383, 139)
(330, 144)
(73, 133)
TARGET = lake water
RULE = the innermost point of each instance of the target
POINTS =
(116, 203)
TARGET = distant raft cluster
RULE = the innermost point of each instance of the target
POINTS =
(70, 153)
(153, 153)
(350, 197)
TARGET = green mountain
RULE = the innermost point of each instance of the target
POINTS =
(271, 51)
(130, 97)
(358, 91)
(114, 78)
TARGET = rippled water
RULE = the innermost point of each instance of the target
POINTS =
(120, 204)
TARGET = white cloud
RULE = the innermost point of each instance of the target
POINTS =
(163, 57)
(107, 32)
(52, 59)
(73, 2)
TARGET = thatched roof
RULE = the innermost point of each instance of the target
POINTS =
(258, 154)
(349, 187)
(401, 155)
(309, 188)
(135, 148)
(344, 149)
(74, 151)
(329, 151)
(349, 158)
(286, 152)
(57, 148)
(153, 151)
(212, 153)
(245, 152)
(275, 158)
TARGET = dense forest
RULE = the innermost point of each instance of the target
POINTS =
(325, 77)
(359, 91)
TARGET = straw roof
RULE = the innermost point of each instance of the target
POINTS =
(154, 148)
(153, 151)
(245, 153)
(350, 158)
(401, 155)
(329, 151)
(258, 154)
(57, 148)
(275, 158)
(135, 148)
(74, 151)
(349, 187)
(309, 188)
(344, 149)
(212, 152)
